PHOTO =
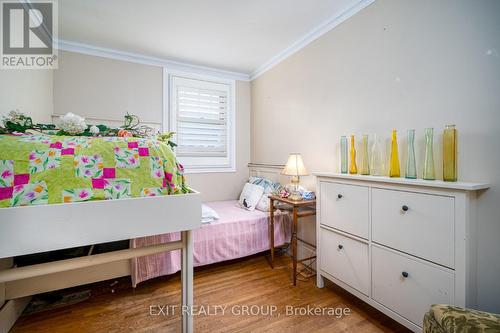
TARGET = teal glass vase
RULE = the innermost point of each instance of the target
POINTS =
(429, 171)
(411, 164)
(344, 149)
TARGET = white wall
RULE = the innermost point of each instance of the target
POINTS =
(30, 91)
(103, 88)
(396, 64)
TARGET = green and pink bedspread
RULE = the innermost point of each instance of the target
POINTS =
(40, 169)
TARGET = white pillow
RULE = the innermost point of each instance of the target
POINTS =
(208, 213)
(263, 203)
(250, 196)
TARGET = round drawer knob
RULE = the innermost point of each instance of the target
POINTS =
(340, 196)
(405, 274)
(405, 208)
(341, 246)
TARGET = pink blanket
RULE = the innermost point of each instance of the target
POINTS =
(238, 233)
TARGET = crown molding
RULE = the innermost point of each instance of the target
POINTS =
(310, 37)
(71, 46)
(299, 44)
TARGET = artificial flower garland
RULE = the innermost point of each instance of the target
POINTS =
(74, 125)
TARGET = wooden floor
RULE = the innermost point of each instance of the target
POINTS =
(249, 282)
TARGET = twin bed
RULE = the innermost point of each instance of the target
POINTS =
(237, 233)
(60, 192)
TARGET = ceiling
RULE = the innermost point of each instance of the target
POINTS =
(234, 35)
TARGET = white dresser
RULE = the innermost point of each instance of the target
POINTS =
(398, 244)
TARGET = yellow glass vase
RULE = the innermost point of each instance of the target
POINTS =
(365, 165)
(394, 164)
(353, 168)
(450, 154)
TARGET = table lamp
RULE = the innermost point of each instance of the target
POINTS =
(295, 167)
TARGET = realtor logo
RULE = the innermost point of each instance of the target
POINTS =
(29, 30)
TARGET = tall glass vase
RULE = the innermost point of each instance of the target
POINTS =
(429, 171)
(377, 158)
(343, 154)
(411, 164)
(450, 154)
(353, 168)
(365, 164)
(394, 167)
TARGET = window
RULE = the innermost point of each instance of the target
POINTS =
(202, 116)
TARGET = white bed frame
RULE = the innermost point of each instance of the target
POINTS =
(34, 229)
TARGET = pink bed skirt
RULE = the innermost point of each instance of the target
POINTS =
(238, 233)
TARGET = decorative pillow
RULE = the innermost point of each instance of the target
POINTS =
(250, 196)
(269, 187)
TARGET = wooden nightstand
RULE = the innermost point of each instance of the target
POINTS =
(299, 209)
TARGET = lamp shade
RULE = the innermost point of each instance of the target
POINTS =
(295, 166)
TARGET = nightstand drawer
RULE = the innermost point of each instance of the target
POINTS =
(415, 223)
(345, 207)
(345, 259)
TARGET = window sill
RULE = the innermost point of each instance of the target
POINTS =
(188, 170)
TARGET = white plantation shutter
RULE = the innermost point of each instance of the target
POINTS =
(201, 118)
(201, 121)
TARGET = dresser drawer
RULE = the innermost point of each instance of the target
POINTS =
(345, 259)
(345, 207)
(425, 229)
(409, 296)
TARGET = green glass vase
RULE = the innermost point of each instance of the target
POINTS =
(429, 171)
(411, 164)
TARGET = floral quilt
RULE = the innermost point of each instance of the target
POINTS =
(44, 169)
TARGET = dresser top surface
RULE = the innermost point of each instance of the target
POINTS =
(464, 186)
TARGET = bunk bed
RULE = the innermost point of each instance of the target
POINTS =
(39, 214)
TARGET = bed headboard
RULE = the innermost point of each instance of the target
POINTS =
(273, 172)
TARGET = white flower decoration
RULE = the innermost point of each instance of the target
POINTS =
(94, 130)
(14, 116)
(72, 123)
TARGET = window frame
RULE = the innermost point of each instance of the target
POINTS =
(201, 164)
